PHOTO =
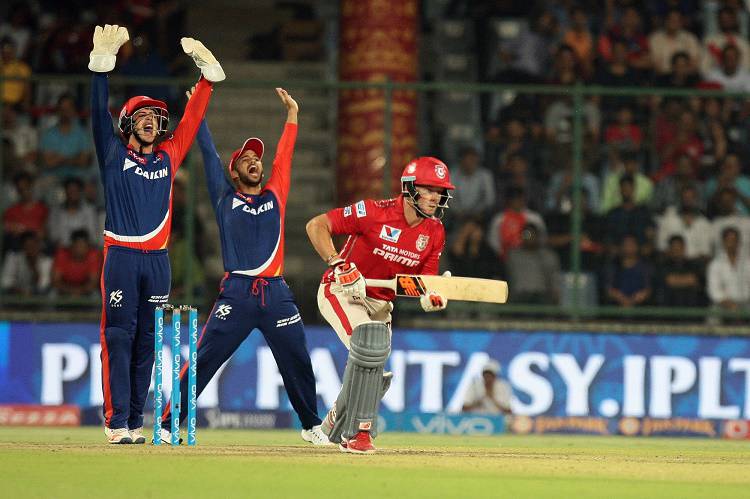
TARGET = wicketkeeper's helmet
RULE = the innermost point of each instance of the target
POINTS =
(133, 104)
(429, 172)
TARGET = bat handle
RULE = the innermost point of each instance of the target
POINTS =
(381, 283)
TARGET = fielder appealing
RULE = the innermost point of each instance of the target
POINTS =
(401, 235)
(253, 292)
(137, 176)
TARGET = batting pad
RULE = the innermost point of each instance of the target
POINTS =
(357, 404)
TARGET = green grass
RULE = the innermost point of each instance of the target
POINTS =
(36, 462)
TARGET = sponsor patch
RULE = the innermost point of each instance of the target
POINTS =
(128, 164)
(389, 233)
(348, 211)
(223, 311)
(411, 167)
(288, 320)
(365, 425)
(115, 299)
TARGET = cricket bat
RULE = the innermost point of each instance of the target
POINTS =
(453, 288)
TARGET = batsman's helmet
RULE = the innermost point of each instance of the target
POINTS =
(429, 172)
(133, 104)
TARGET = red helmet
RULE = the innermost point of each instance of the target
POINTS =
(429, 172)
(139, 102)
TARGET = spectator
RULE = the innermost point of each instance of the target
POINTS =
(631, 166)
(624, 133)
(489, 394)
(668, 190)
(728, 275)
(18, 28)
(560, 226)
(629, 219)
(15, 93)
(680, 140)
(730, 177)
(506, 139)
(75, 270)
(687, 221)
(678, 280)
(559, 198)
(682, 73)
(616, 72)
(66, 147)
(506, 228)
(515, 173)
(726, 214)
(533, 270)
(27, 272)
(565, 69)
(628, 282)
(558, 121)
(629, 35)
(711, 131)
(527, 56)
(26, 215)
(20, 135)
(729, 35)
(672, 38)
(730, 74)
(470, 208)
(579, 38)
(74, 214)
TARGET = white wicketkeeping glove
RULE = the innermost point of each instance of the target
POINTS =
(434, 301)
(350, 279)
(107, 41)
(204, 59)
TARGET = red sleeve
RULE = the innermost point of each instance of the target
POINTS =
(282, 163)
(431, 265)
(350, 219)
(179, 143)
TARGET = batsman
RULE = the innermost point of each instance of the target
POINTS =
(138, 167)
(385, 238)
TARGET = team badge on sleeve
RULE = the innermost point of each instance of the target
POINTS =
(361, 210)
(422, 241)
(348, 211)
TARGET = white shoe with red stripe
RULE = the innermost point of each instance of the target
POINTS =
(118, 435)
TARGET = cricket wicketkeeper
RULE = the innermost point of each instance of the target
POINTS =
(138, 167)
(387, 237)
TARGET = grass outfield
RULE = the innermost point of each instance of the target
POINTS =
(40, 462)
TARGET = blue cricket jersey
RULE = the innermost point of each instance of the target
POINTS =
(251, 226)
(138, 187)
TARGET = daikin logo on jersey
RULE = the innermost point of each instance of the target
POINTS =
(267, 206)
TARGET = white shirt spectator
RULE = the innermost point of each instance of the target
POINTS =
(698, 235)
(714, 44)
(728, 282)
(737, 82)
(663, 47)
(476, 398)
(739, 222)
(18, 275)
(64, 222)
(474, 193)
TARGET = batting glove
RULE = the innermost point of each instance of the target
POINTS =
(350, 279)
(434, 301)
(204, 59)
(107, 41)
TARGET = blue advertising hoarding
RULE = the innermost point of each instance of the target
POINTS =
(553, 374)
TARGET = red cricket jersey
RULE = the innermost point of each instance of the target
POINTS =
(382, 244)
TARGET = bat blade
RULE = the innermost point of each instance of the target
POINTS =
(453, 288)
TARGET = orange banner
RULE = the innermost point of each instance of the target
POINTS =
(378, 42)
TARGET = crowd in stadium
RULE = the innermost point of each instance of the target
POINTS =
(666, 191)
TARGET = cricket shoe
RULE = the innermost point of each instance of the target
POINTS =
(315, 436)
(137, 437)
(360, 444)
(118, 436)
(327, 425)
(166, 437)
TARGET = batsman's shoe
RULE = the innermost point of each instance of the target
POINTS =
(137, 437)
(118, 436)
(166, 437)
(360, 444)
(315, 436)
